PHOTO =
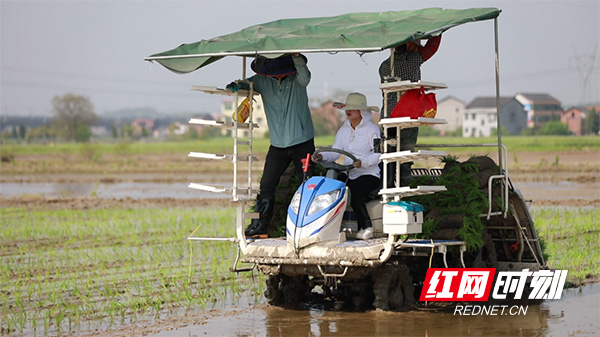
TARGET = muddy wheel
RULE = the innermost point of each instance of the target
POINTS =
(282, 289)
(295, 289)
(393, 287)
(360, 297)
(272, 293)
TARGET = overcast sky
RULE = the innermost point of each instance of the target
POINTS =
(97, 49)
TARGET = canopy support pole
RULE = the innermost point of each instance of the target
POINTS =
(498, 116)
(244, 68)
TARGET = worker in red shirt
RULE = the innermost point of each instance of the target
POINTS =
(407, 62)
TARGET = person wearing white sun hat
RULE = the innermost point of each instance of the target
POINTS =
(357, 136)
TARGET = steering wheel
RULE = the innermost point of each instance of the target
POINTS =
(334, 165)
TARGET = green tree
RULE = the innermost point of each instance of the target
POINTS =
(428, 132)
(70, 113)
(172, 128)
(19, 132)
(503, 130)
(114, 131)
(209, 133)
(40, 133)
(22, 131)
(126, 131)
(83, 133)
(458, 132)
(322, 126)
(555, 128)
(192, 134)
(592, 123)
(145, 133)
(529, 132)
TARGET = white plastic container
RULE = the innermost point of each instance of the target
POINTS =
(402, 217)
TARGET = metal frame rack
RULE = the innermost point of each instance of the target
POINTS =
(241, 192)
(396, 192)
(237, 192)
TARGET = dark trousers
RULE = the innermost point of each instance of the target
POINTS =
(277, 161)
(360, 190)
(408, 140)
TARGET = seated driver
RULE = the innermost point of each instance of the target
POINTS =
(357, 136)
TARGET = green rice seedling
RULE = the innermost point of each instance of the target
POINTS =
(571, 237)
(108, 263)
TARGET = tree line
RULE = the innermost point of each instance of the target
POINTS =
(73, 116)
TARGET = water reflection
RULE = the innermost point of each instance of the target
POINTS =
(414, 323)
(148, 189)
(131, 190)
(578, 312)
(562, 190)
(47, 189)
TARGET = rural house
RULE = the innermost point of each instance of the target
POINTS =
(540, 108)
(452, 110)
(143, 126)
(574, 118)
(480, 116)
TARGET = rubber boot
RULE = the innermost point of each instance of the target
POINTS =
(264, 207)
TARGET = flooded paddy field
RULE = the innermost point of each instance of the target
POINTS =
(547, 178)
(541, 192)
(149, 263)
(577, 313)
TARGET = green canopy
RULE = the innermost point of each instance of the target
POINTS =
(356, 32)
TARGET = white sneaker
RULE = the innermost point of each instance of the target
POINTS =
(365, 234)
(360, 233)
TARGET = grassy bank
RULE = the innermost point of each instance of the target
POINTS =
(92, 269)
(260, 146)
(112, 159)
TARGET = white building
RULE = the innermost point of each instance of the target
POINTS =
(258, 115)
(480, 117)
(479, 122)
(452, 110)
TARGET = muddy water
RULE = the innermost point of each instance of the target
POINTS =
(576, 313)
(558, 191)
(133, 190)
(553, 191)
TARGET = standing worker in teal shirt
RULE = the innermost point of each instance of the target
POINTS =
(282, 84)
